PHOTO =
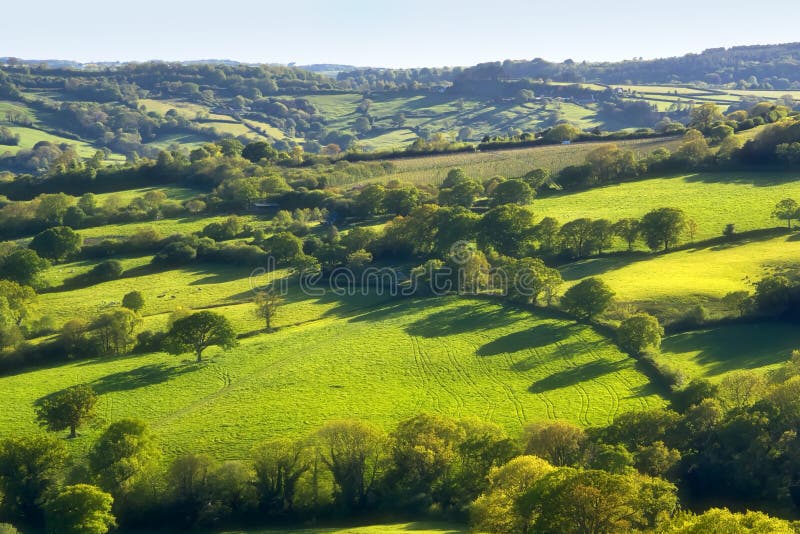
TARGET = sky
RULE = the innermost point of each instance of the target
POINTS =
(407, 33)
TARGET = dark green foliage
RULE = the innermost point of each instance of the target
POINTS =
(30, 467)
(67, 410)
(56, 243)
(198, 331)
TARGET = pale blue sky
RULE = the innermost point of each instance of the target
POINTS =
(378, 33)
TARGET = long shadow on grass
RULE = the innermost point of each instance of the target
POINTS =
(147, 375)
(564, 351)
(728, 348)
(467, 317)
(756, 177)
(575, 375)
(540, 335)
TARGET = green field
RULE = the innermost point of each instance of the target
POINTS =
(452, 356)
(711, 199)
(691, 276)
(508, 163)
(712, 353)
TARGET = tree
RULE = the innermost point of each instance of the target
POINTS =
(133, 301)
(591, 501)
(56, 243)
(370, 200)
(628, 229)
(602, 234)
(577, 236)
(562, 132)
(283, 247)
(51, 208)
(122, 453)
(198, 331)
(559, 442)
(506, 228)
(705, 116)
(786, 210)
(353, 452)
(267, 305)
(496, 510)
(587, 299)
(662, 228)
(258, 150)
(639, 332)
(17, 300)
(424, 452)
(80, 509)
(463, 193)
(547, 234)
(512, 192)
(529, 278)
(723, 520)
(67, 410)
(30, 467)
(105, 271)
(279, 465)
(115, 331)
(23, 266)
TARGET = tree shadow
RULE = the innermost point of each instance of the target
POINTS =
(728, 348)
(575, 375)
(564, 351)
(755, 177)
(461, 319)
(147, 375)
(540, 335)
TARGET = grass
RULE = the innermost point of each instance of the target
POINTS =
(509, 163)
(711, 199)
(30, 136)
(671, 283)
(713, 353)
(452, 356)
(166, 227)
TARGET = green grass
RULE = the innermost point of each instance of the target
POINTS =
(713, 353)
(173, 193)
(30, 136)
(711, 199)
(509, 163)
(452, 356)
(671, 283)
(166, 227)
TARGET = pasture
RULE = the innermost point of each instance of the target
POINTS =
(400, 528)
(453, 356)
(714, 352)
(712, 200)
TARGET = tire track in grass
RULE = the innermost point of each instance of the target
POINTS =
(549, 406)
(612, 392)
(583, 414)
(424, 373)
(519, 407)
(431, 371)
(461, 370)
(502, 386)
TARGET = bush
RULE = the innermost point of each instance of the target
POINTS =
(639, 332)
(587, 299)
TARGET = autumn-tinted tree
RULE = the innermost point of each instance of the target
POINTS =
(199, 331)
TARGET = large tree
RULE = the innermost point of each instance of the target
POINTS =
(587, 299)
(506, 229)
(23, 266)
(56, 243)
(662, 228)
(199, 331)
(279, 464)
(786, 210)
(67, 410)
(353, 452)
(122, 453)
(30, 466)
(639, 332)
(80, 509)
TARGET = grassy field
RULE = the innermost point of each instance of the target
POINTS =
(715, 352)
(711, 199)
(451, 356)
(166, 227)
(670, 283)
(509, 163)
